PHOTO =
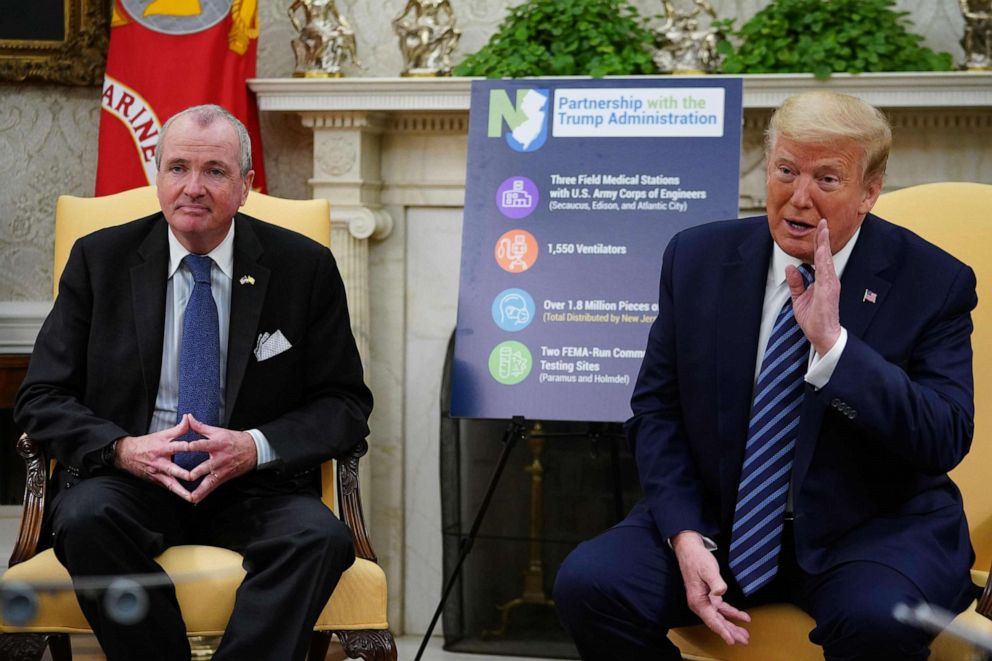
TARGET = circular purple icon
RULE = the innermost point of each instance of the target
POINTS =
(517, 197)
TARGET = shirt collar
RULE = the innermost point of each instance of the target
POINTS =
(776, 270)
(223, 254)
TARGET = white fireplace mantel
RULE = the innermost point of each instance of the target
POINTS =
(886, 90)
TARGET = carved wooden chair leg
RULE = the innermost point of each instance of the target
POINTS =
(320, 641)
(984, 606)
(371, 645)
(60, 646)
(23, 646)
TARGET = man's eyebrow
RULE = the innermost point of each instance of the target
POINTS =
(178, 160)
(830, 165)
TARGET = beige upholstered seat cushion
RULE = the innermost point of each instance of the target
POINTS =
(358, 602)
(206, 579)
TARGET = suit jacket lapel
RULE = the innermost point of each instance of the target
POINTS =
(742, 293)
(863, 276)
(246, 308)
(148, 287)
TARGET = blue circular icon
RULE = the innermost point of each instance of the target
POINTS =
(513, 310)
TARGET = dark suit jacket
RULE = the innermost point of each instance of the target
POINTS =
(870, 473)
(95, 369)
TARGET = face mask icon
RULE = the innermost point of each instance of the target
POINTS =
(513, 309)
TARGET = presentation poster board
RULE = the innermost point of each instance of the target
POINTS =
(573, 190)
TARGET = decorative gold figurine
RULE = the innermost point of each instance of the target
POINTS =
(682, 46)
(977, 39)
(428, 36)
(325, 42)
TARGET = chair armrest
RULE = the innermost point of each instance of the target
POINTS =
(36, 484)
(35, 487)
(984, 605)
(351, 501)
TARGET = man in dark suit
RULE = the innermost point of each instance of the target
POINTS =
(831, 493)
(166, 433)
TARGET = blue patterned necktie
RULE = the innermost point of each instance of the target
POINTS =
(756, 540)
(199, 360)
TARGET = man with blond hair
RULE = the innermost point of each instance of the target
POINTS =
(806, 388)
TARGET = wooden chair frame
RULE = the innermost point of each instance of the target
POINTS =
(369, 644)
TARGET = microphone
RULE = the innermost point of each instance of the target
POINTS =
(934, 619)
(124, 597)
(18, 603)
(126, 601)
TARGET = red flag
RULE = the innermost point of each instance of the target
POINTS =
(164, 56)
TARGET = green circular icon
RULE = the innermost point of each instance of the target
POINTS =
(510, 362)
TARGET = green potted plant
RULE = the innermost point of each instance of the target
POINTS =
(565, 38)
(827, 36)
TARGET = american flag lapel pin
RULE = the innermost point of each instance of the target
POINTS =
(247, 280)
(869, 296)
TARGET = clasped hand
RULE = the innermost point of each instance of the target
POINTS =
(230, 454)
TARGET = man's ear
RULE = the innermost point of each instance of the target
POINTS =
(246, 186)
(872, 190)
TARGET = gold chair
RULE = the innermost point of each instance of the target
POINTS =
(206, 577)
(958, 218)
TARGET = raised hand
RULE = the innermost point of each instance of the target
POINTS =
(817, 308)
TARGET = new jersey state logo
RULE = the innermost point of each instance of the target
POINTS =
(526, 117)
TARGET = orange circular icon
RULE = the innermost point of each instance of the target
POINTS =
(516, 251)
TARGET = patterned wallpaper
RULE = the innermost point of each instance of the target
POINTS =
(48, 133)
(47, 148)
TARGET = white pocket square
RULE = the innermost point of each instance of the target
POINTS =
(271, 344)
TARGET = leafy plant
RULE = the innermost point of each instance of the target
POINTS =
(565, 38)
(825, 36)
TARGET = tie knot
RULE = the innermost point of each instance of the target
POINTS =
(808, 273)
(199, 266)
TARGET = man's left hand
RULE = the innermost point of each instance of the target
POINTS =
(232, 453)
(817, 308)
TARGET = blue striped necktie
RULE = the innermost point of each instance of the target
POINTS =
(199, 360)
(756, 540)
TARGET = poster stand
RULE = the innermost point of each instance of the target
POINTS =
(516, 430)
